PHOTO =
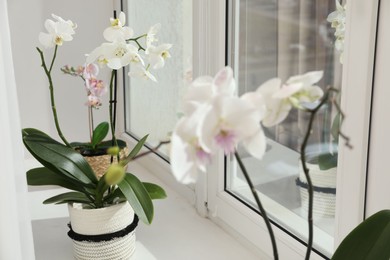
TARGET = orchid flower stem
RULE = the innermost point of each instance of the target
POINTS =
(51, 88)
(90, 122)
(261, 208)
(112, 126)
(152, 150)
(313, 113)
(136, 41)
(125, 161)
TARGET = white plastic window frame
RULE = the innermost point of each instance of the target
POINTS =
(351, 179)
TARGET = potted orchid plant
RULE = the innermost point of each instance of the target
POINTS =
(104, 210)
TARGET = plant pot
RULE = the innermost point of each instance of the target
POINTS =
(100, 163)
(324, 190)
(104, 233)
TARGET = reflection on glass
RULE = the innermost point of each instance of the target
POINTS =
(151, 108)
(281, 39)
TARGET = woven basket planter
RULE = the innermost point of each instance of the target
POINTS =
(100, 163)
(324, 194)
(102, 234)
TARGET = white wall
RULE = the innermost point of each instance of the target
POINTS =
(26, 21)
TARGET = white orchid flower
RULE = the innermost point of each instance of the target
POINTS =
(151, 35)
(187, 156)
(279, 99)
(61, 20)
(337, 20)
(229, 121)
(58, 32)
(158, 55)
(203, 89)
(301, 88)
(115, 55)
(276, 109)
(118, 31)
(139, 71)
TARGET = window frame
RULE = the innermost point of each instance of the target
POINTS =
(351, 179)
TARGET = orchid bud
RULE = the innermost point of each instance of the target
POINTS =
(114, 150)
(115, 174)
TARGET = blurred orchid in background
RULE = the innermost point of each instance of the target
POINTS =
(337, 20)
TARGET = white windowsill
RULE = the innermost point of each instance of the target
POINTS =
(177, 232)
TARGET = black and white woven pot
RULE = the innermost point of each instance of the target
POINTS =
(105, 233)
(324, 190)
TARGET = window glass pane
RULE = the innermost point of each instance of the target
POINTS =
(282, 39)
(151, 108)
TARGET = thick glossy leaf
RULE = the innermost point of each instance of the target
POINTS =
(99, 133)
(135, 150)
(55, 155)
(155, 191)
(44, 176)
(68, 197)
(368, 241)
(138, 197)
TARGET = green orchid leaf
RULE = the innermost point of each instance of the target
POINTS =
(80, 145)
(68, 197)
(99, 133)
(44, 176)
(155, 191)
(336, 126)
(107, 144)
(135, 150)
(368, 241)
(327, 161)
(138, 197)
(115, 195)
(58, 157)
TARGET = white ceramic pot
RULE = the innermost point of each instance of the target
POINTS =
(324, 195)
(105, 233)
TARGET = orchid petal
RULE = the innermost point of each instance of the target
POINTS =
(256, 144)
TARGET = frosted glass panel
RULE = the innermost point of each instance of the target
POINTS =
(151, 108)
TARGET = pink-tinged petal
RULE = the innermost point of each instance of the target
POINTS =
(207, 128)
(186, 154)
(224, 82)
(240, 116)
(226, 140)
(183, 168)
(256, 144)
